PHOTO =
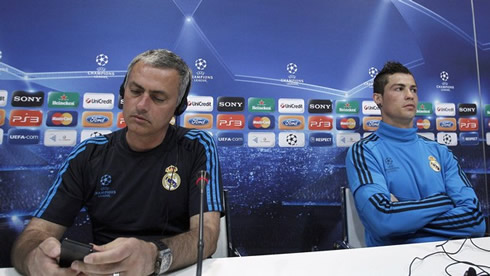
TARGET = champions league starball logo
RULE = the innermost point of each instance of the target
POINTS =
(446, 139)
(444, 86)
(292, 68)
(102, 60)
(200, 75)
(200, 64)
(105, 180)
(292, 139)
(0, 55)
(444, 76)
(372, 72)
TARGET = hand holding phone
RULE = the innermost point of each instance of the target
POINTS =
(73, 251)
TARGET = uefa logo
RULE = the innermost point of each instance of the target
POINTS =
(292, 68)
(372, 72)
(444, 76)
(200, 64)
(102, 60)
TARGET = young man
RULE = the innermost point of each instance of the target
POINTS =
(407, 188)
(136, 183)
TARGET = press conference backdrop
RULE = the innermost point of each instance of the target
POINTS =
(284, 87)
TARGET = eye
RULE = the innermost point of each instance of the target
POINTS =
(135, 91)
(414, 90)
(158, 99)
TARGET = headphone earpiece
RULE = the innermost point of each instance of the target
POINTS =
(180, 108)
(183, 103)
(121, 88)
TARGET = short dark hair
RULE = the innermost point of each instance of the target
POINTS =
(165, 59)
(390, 68)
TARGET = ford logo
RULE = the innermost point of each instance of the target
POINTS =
(198, 121)
(372, 123)
(446, 124)
(97, 119)
(291, 122)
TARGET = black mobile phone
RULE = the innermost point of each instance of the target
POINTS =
(73, 251)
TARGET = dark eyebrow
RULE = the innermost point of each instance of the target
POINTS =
(398, 84)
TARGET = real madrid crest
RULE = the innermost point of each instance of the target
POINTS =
(434, 164)
(171, 180)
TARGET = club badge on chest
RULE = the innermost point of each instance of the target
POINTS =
(171, 180)
(434, 164)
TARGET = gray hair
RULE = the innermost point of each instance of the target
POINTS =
(165, 59)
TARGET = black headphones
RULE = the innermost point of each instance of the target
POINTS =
(183, 103)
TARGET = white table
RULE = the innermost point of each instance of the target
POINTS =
(376, 261)
(384, 260)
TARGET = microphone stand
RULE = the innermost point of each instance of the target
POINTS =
(202, 180)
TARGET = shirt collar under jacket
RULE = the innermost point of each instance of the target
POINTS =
(396, 134)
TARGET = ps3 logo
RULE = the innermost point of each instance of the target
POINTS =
(25, 117)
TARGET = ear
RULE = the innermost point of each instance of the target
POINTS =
(378, 99)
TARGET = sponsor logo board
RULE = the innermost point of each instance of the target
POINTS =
(27, 99)
(231, 104)
(291, 105)
(62, 118)
(63, 99)
(291, 122)
(320, 139)
(200, 103)
(60, 138)
(261, 122)
(230, 139)
(230, 121)
(200, 121)
(23, 136)
(22, 117)
(320, 106)
(291, 139)
(261, 139)
(97, 119)
(98, 100)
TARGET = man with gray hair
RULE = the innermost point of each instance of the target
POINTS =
(137, 185)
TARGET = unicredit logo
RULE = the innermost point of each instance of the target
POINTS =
(291, 106)
(445, 109)
(199, 104)
(98, 101)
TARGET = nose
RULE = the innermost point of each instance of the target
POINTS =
(143, 102)
(409, 94)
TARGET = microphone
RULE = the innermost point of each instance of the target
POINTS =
(202, 180)
(470, 272)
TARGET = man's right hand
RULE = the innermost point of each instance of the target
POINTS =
(43, 260)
